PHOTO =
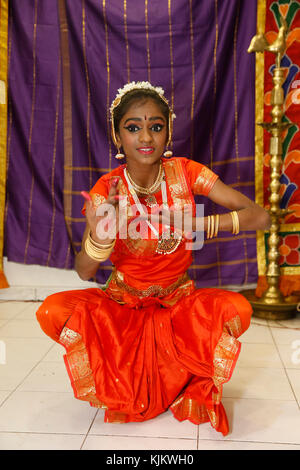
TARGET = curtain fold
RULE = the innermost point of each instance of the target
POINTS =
(67, 118)
(3, 125)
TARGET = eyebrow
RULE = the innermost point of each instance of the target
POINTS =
(154, 118)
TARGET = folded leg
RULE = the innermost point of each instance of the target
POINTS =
(56, 309)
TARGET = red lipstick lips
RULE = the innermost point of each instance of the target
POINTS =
(146, 150)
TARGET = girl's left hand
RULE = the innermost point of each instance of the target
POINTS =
(180, 220)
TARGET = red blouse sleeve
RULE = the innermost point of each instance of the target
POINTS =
(201, 178)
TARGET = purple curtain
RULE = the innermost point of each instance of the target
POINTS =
(195, 49)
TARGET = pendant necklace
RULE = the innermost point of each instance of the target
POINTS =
(150, 199)
(165, 245)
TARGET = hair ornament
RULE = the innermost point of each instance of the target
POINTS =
(139, 86)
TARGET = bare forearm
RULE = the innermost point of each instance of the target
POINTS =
(85, 267)
(250, 218)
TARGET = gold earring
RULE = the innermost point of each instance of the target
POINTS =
(119, 155)
(168, 153)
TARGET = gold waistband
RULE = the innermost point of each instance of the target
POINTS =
(151, 291)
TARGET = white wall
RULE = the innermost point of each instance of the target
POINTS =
(32, 282)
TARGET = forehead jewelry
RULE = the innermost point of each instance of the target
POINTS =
(139, 86)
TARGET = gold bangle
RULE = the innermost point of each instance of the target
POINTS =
(217, 225)
(212, 226)
(208, 227)
(100, 245)
(96, 252)
(96, 255)
(235, 222)
(90, 252)
(213, 222)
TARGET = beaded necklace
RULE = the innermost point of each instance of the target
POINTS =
(153, 188)
(165, 246)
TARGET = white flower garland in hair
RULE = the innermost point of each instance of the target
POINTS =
(138, 86)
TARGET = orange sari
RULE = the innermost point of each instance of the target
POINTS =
(150, 341)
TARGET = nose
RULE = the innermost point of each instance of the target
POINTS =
(145, 135)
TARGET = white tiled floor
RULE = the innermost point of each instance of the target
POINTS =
(38, 410)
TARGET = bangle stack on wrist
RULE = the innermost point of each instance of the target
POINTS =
(212, 225)
(97, 251)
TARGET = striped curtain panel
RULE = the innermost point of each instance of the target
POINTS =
(67, 59)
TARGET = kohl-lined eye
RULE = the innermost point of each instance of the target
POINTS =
(157, 127)
(132, 128)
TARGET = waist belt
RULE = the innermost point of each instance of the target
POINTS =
(151, 291)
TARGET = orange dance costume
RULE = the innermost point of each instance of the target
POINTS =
(150, 341)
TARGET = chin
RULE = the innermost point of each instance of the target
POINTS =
(149, 159)
(145, 160)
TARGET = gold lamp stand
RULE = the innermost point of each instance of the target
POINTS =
(273, 305)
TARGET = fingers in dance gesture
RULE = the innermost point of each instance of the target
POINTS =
(96, 229)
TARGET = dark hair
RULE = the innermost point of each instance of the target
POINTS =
(135, 96)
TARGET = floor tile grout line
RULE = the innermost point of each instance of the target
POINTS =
(259, 399)
(90, 427)
(15, 317)
(4, 324)
(261, 367)
(278, 325)
(43, 391)
(43, 433)
(25, 302)
(11, 318)
(33, 318)
(163, 437)
(192, 438)
(273, 339)
(292, 400)
(97, 435)
(250, 441)
(24, 378)
(255, 398)
(143, 437)
(287, 376)
(153, 437)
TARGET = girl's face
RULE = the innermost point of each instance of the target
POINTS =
(143, 133)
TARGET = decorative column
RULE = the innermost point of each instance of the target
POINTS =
(273, 305)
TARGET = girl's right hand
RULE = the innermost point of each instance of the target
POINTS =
(93, 219)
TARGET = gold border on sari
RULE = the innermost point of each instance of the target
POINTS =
(78, 367)
(224, 359)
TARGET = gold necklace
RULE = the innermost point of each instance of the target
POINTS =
(152, 188)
